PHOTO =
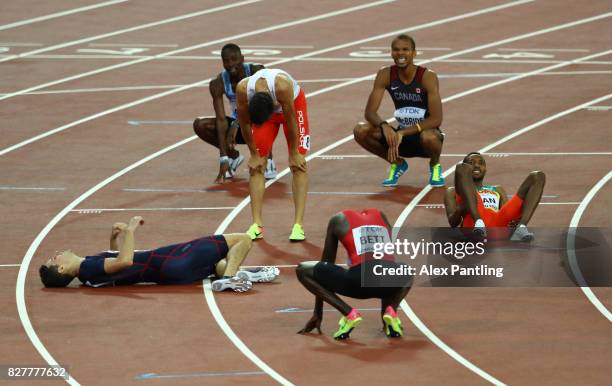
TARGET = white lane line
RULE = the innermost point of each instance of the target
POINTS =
(20, 188)
(571, 247)
(404, 215)
(276, 46)
(198, 46)
(27, 259)
(59, 14)
(599, 108)
(10, 265)
(412, 204)
(441, 206)
(545, 49)
(131, 29)
(100, 210)
(139, 123)
(438, 342)
(15, 44)
(184, 190)
(214, 310)
(313, 53)
(495, 155)
(20, 285)
(131, 44)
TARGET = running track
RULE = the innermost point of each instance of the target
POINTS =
(68, 146)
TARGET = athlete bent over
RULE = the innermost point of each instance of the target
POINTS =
(357, 231)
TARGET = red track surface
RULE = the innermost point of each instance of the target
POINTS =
(111, 336)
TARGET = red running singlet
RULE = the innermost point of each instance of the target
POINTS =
(366, 228)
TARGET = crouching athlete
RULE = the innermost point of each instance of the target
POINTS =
(181, 263)
(356, 231)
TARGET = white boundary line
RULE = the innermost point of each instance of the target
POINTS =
(334, 48)
(321, 80)
(201, 45)
(216, 313)
(59, 14)
(571, 247)
(100, 210)
(20, 285)
(122, 31)
(412, 204)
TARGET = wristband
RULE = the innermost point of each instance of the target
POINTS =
(381, 124)
(419, 128)
(224, 159)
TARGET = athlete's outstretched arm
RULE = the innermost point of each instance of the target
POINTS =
(337, 226)
(126, 252)
(118, 227)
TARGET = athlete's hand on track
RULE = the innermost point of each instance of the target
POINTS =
(393, 140)
(223, 167)
(297, 161)
(135, 222)
(256, 163)
(314, 322)
(118, 227)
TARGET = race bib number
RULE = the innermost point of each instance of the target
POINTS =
(409, 116)
(490, 199)
(366, 236)
(305, 142)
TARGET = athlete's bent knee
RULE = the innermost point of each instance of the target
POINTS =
(538, 176)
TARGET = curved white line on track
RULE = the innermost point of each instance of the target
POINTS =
(402, 218)
(198, 46)
(227, 330)
(20, 285)
(59, 14)
(571, 247)
(446, 348)
(27, 259)
(318, 52)
(126, 30)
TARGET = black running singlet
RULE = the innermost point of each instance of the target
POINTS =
(410, 100)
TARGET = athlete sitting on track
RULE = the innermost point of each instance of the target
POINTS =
(173, 264)
(418, 111)
(357, 231)
(223, 131)
(474, 205)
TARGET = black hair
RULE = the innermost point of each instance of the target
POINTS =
(467, 157)
(261, 106)
(231, 47)
(51, 277)
(406, 38)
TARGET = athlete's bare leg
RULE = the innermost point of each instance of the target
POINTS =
(256, 189)
(239, 245)
(206, 129)
(431, 140)
(530, 192)
(299, 186)
(305, 274)
(369, 138)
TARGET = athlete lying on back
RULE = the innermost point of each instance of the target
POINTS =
(180, 263)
